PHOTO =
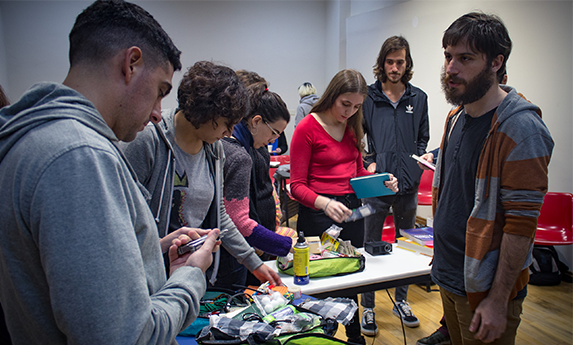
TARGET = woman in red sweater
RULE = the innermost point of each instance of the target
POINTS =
(326, 152)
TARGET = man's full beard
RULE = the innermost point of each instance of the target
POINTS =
(475, 89)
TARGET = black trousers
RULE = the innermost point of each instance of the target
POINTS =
(314, 223)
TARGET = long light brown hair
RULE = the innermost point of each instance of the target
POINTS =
(345, 81)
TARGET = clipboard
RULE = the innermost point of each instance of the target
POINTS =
(371, 186)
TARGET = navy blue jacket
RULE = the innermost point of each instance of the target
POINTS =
(394, 134)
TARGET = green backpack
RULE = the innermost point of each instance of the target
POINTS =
(312, 339)
(327, 266)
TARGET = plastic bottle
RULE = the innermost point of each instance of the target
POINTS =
(301, 261)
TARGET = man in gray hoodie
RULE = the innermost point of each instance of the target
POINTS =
(80, 257)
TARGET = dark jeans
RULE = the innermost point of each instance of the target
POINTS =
(315, 222)
(230, 272)
(404, 209)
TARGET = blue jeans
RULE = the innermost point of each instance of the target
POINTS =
(404, 209)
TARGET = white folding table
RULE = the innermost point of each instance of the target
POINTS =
(400, 267)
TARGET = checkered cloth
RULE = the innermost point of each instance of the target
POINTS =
(340, 309)
(220, 327)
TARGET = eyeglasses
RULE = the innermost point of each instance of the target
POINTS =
(275, 132)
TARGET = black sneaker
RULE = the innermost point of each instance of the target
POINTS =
(368, 324)
(357, 341)
(436, 338)
(406, 314)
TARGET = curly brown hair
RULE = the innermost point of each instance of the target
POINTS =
(250, 77)
(209, 91)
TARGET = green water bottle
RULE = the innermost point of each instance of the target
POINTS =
(301, 261)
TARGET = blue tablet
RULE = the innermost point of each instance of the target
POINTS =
(371, 186)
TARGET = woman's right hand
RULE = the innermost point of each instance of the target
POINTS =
(337, 211)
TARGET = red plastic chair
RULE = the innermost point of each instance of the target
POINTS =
(555, 223)
(284, 159)
(425, 188)
(388, 231)
(289, 205)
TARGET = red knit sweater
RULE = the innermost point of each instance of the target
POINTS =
(320, 164)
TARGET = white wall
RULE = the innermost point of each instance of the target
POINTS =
(281, 40)
(35, 42)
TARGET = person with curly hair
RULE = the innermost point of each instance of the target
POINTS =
(180, 161)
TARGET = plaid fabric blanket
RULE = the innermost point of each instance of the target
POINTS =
(340, 309)
(236, 329)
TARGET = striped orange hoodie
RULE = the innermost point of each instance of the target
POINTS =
(511, 183)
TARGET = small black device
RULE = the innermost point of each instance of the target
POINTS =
(194, 245)
(375, 248)
(424, 162)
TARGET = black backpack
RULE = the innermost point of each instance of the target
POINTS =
(546, 268)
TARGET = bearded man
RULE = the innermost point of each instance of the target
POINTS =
(488, 188)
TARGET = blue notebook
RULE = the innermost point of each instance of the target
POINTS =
(423, 236)
(371, 186)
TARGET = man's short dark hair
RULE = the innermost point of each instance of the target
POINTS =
(108, 26)
(391, 45)
(485, 33)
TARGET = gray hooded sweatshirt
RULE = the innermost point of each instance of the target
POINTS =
(152, 158)
(80, 261)
(304, 107)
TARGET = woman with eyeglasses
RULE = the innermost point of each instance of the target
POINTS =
(252, 205)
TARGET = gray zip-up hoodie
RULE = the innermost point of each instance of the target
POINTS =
(80, 261)
(151, 155)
